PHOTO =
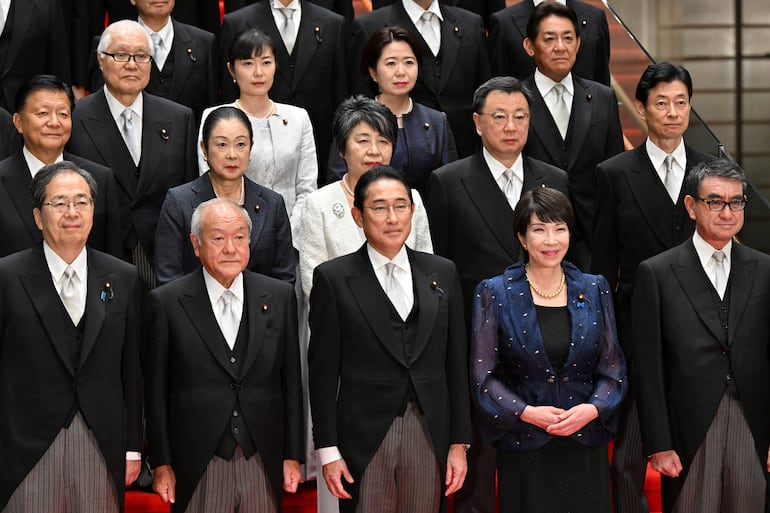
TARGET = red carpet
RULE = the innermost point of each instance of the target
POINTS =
(304, 501)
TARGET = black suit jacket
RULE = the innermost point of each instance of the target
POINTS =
(271, 251)
(39, 43)
(634, 220)
(312, 77)
(10, 140)
(483, 7)
(343, 7)
(471, 222)
(682, 353)
(508, 29)
(352, 342)
(17, 224)
(191, 390)
(39, 382)
(168, 158)
(203, 14)
(462, 68)
(594, 135)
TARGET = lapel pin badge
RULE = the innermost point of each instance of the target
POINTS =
(439, 290)
(190, 55)
(107, 293)
(256, 208)
(317, 31)
(285, 121)
(581, 300)
(589, 97)
(264, 307)
(338, 210)
(164, 134)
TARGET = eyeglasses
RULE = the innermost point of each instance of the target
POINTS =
(501, 118)
(61, 206)
(139, 58)
(400, 209)
(716, 205)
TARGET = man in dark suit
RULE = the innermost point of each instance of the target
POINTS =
(637, 217)
(386, 323)
(9, 137)
(312, 75)
(341, 7)
(470, 207)
(32, 41)
(203, 14)
(575, 122)
(454, 61)
(147, 141)
(222, 378)
(483, 7)
(508, 29)
(701, 342)
(70, 381)
(42, 116)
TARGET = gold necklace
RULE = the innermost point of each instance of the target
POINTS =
(549, 295)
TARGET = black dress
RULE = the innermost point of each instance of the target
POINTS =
(564, 476)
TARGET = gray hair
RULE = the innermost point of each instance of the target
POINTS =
(123, 25)
(360, 109)
(47, 173)
(196, 223)
(717, 168)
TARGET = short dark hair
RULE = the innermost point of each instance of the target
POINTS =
(42, 83)
(47, 173)
(377, 43)
(373, 175)
(549, 205)
(717, 168)
(221, 114)
(546, 9)
(662, 72)
(508, 85)
(360, 109)
(248, 44)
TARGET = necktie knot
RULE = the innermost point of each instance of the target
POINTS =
(720, 274)
(128, 116)
(288, 12)
(560, 109)
(395, 291)
(669, 163)
(288, 30)
(671, 180)
(429, 33)
(70, 295)
(719, 256)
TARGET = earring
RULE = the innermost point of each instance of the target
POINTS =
(234, 82)
(525, 247)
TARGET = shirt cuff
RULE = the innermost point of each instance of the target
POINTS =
(133, 455)
(329, 454)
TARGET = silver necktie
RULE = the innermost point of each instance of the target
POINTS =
(561, 110)
(720, 277)
(131, 136)
(160, 52)
(70, 295)
(395, 291)
(228, 321)
(510, 189)
(671, 183)
(428, 31)
(288, 30)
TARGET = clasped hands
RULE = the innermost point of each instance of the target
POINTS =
(557, 421)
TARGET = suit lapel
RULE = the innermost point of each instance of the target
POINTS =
(541, 123)
(579, 120)
(23, 13)
(451, 39)
(372, 302)
(17, 184)
(182, 45)
(255, 205)
(195, 302)
(108, 141)
(38, 283)
(650, 195)
(521, 17)
(257, 308)
(310, 34)
(492, 205)
(697, 287)
(428, 300)
(95, 306)
(156, 132)
(742, 268)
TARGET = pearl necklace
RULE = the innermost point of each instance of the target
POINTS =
(548, 295)
(407, 111)
(266, 115)
(346, 187)
(241, 198)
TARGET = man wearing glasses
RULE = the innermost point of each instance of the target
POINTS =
(147, 141)
(70, 381)
(388, 362)
(640, 212)
(701, 337)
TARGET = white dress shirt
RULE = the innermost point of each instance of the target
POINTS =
(545, 87)
(33, 163)
(279, 18)
(166, 34)
(117, 108)
(658, 160)
(215, 290)
(498, 169)
(705, 252)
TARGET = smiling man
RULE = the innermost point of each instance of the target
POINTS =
(701, 340)
(386, 324)
(147, 141)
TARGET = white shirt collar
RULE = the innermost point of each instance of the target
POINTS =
(706, 250)
(414, 11)
(215, 289)
(401, 259)
(545, 84)
(658, 156)
(497, 168)
(33, 163)
(117, 108)
(57, 266)
(562, 2)
(166, 32)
